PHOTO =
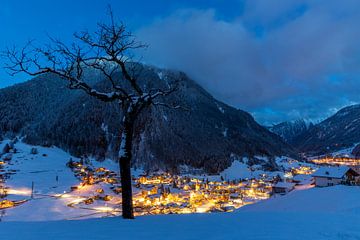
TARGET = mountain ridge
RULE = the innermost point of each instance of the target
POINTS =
(334, 133)
(290, 130)
(45, 112)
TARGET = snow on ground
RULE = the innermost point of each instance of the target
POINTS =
(237, 170)
(51, 178)
(288, 163)
(48, 172)
(337, 199)
(240, 170)
(317, 213)
(320, 213)
(346, 152)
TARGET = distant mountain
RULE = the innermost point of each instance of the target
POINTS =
(339, 131)
(291, 130)
(208, 135)
(356, 151)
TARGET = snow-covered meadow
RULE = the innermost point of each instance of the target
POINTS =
(49, 177)
(326, 213)
(316, 213)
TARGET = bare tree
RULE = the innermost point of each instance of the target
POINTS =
(108, 50)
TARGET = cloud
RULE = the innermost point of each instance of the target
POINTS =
(305, 64)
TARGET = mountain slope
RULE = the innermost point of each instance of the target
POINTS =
(290, 130)
(206, 135)
(338, 131)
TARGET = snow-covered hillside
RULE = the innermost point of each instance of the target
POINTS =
(50, 178)
(337, 200)
(50, 188)
(317, 213)
(326, 213)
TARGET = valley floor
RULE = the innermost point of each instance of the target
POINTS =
(329, 213)
(316, 213)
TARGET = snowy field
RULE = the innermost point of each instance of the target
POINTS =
(317, 213)
(51, 179)
(327, 213)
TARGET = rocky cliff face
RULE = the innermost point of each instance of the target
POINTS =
(208, 134)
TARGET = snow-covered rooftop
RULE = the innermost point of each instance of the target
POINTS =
(287, 185)
(334, 172)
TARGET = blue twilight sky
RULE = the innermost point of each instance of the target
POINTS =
(278, 59)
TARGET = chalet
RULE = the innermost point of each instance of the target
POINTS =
(303, 179)
(330, 176)
(283, 187)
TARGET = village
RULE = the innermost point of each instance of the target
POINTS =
(99, 188)
(164, 193)
(336, 170)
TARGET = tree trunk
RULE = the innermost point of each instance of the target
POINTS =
(125, 156)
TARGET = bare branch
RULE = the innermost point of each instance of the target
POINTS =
(169, 106)
(108, 50)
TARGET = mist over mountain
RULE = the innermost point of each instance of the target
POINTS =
(208, 134)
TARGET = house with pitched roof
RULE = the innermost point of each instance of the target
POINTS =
(283, 187)
(330, 176)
